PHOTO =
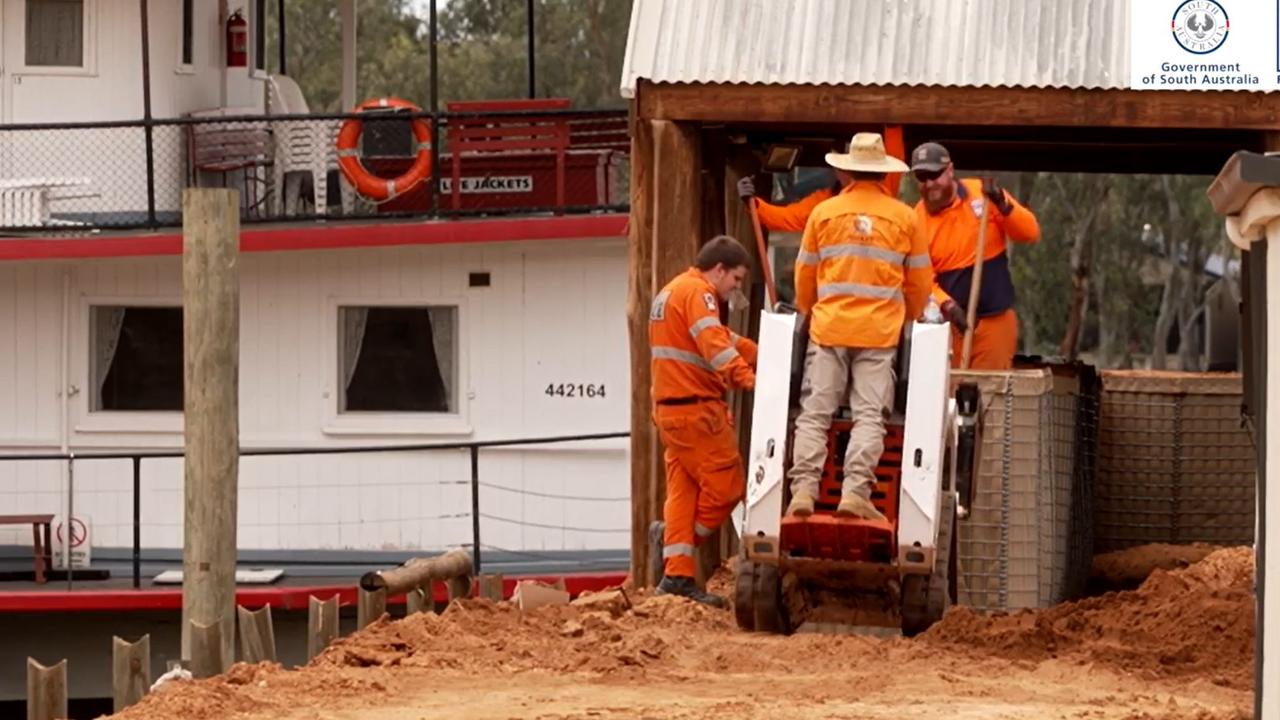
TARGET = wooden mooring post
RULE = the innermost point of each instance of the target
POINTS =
(322, 624)
(372, 604)
(211, 357)
(257, 636)
(459, 587)
(206, 649)
(130, 671)
(491, 587)
(46, 690)
(419, 599)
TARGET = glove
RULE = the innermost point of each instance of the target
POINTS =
(746, 188)
(992, 190)
(956, 315)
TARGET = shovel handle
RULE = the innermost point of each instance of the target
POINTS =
(763, 249)
(975, 287)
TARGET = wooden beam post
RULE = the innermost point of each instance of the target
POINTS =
(211, 355)
(322, 624)
(130, 671)
(419, 599)
(372, 605)
(257, 636)
(491, 587)
(459, 587)
(639, 298)
(206, 649)
(46, 690)
(674, 242)
(741, 162)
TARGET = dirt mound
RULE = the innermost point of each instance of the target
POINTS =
(1127, 569)
(479, 635)
(243, 689)
(1193, 621)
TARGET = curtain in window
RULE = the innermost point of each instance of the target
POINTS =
(354, 320)
(108, 322)
(442, 321)
(55, 33)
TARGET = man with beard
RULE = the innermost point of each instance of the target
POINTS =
(950, 212)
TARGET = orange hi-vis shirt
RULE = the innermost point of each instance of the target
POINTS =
(863, 268)
(792, 217)
(953, 247)
(693, 355)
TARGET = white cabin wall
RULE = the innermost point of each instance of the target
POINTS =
(553, 313)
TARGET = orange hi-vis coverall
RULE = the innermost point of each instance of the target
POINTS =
(862, 270)
(694, 361)
(953, 247)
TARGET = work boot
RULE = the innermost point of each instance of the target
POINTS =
(686, 587)
(854, 505)
(657, 531)
(801, 505)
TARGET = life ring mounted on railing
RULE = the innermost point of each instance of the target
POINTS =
(366, 183)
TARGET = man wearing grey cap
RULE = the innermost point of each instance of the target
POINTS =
(950, 211)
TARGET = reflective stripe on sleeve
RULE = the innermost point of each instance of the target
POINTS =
(703, 324)
(724, 357)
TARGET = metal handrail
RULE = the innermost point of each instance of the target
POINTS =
(473, 448)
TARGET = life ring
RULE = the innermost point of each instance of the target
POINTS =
(365, 182)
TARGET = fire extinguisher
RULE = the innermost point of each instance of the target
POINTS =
(237, 40)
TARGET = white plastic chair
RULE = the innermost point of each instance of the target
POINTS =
(302, 146)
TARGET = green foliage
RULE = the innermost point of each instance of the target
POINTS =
(481, 49)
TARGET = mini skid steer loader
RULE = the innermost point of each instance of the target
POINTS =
(831, 574)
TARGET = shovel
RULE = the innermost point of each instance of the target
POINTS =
(764, 254)
(975, 286)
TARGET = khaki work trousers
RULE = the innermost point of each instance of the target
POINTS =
(865, 378)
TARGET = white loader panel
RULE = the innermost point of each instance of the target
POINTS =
(926, 433)
(769, 426)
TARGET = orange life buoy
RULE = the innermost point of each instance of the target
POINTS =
(365, 182)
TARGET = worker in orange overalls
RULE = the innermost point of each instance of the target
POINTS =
(694, 360)
(950, 211)
(862, 270)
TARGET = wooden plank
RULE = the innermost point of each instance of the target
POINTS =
(712, 195)
(907, 105)
(372, 605)
(211, 356)
(46, 690)
(639, 297)
(676, 237)
(257, 636)
(207, 659)
(459, 587)
(491, 587)
(419, 600)
(130, 671)
(322, 624)
(740, 162)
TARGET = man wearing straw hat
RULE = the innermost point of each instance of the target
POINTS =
(862, 270)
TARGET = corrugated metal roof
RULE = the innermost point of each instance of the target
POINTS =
(1030, 43)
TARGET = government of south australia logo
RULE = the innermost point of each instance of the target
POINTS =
(1200, 26)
